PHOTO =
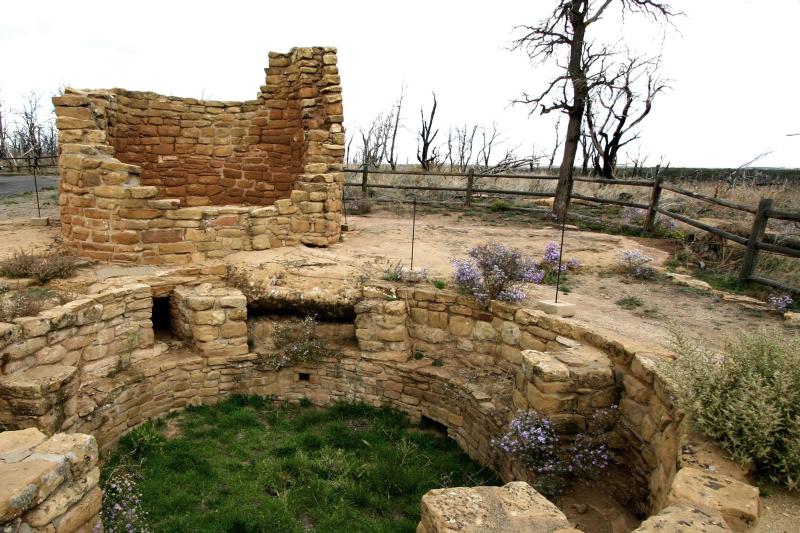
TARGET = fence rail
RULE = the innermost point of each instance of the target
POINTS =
(757, 240)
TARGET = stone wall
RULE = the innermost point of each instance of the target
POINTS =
(162, 180)
(48, 484)
(429, 353)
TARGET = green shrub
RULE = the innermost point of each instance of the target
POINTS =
(439, 283)
(748, 399)
(499, 205)
(630, 302)
(41, 267)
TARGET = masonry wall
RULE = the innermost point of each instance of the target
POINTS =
(131, 162)
(474, 396)
(49, 484)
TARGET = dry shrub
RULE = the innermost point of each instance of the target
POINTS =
(748, 399)
(361, 206)
(41, 267)
(297, 342)
(30, 302)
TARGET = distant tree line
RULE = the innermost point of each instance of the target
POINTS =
(27, 132)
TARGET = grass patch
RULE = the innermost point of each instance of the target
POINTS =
(248, 465)
(629, 302)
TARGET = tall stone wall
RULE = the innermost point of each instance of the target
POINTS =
(255, 174)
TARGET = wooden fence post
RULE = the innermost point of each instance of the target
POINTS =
(655, 196)
(470, 184)
(364, 174)
(756, 234)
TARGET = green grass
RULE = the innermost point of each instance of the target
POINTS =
(630, 302)
(249, 465)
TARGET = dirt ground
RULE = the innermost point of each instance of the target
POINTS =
(377, 241)
(24, 205)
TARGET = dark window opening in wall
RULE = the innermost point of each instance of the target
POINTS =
(303, 376)
(162, 320)
(429, 424)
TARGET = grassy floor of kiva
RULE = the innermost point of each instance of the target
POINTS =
(248, 464)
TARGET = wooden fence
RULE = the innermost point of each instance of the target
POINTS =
(756, 241)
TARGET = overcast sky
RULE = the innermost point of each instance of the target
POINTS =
(733, 64)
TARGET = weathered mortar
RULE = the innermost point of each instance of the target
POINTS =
(163, 180)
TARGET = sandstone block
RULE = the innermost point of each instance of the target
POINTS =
(737, 502)
(515, 506)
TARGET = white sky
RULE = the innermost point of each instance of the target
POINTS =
(734, 64)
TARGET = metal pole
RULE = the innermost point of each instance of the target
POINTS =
(36, 187)
(560, 253)
(413, 230)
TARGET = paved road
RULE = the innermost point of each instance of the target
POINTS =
(14, 185)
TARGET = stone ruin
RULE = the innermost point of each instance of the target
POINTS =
(150, 179)
(154, 179)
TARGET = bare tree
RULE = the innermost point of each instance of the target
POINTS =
(391, 156)
(555, 146)
(3, 132)
(614, 110)
(374, 140)
(465, 142)
(489, 140)
(427, 152)
(563, 35)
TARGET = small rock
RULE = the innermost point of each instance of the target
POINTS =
(580, 508)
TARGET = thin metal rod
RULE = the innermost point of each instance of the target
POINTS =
(36, 186)
(560, 253)
(413, 231)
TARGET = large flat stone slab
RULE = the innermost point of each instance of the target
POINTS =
(737, 502)
(512, 508)
(16, 445)
(682, 518)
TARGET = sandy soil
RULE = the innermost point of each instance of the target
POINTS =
(24, 205)
(29, 238)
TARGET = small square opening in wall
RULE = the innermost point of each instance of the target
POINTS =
(162, 319)
(303, 376)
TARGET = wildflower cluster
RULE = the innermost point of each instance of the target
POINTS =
(780, 302)
(122, 510)
(297, 343)
(532, 439)
(635, 264)
(549, 264)
(495, 272)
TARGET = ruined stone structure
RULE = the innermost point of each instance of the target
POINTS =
(153, 179)
(92, 367)
(149, 179)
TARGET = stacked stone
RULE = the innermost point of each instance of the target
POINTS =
(90, 333)
(381, 324)
(569, 387)
(140, 171)
(474, 403)
(214, 320)
(48, 485)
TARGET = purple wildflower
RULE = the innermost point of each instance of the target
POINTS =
(780, 302)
